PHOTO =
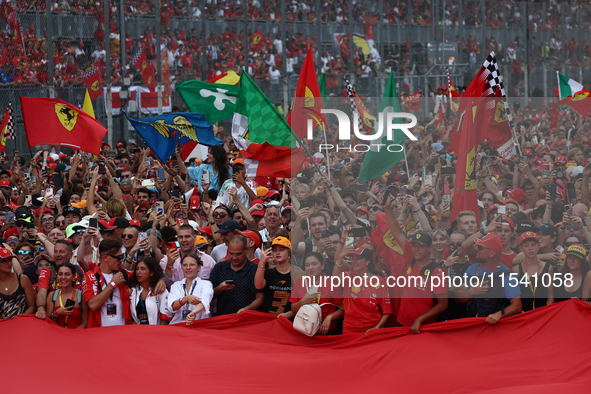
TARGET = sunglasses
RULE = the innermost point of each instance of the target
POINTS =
(127, 236)
(20, 224)
(376, 209)
(118, 257)
(40, 249)
(80, 231)
(572, 227)
(219, 215)
(276, 198)
(60, 223)
(25, 252)
(142, 210)
(12, 240)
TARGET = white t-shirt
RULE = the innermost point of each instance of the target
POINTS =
(224, 197)
(118, 319)
(219, 253)
(274, 76)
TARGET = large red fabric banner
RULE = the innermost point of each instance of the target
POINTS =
(542, 351)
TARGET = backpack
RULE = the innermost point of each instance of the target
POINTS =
(78, 298)
(309, 318)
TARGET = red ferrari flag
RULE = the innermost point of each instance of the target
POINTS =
(92, 79)
(258, 40)
(55, 122)
(307, 101)
(140, 61)
(580, 102)
(413, 101)
(476, 111)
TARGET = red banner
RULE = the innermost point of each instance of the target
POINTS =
(140, 61)
(541, 342)
(92, 79)
(258, 41)
(413, 101)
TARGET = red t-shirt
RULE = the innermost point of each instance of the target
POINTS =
(507, 259)
(364, 306)
(334, 296)
(74, 320)
(45, 277)
(419, 299)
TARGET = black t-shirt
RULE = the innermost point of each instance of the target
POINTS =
(277, 291)
(454, 310)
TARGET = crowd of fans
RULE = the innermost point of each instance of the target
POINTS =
(126, 239)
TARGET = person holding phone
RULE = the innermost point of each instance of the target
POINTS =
(245, 188)
(190, 298)
(216, 167)
(17, 296)
(578, 266)
(69, 309)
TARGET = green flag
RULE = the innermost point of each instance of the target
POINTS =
(216, 101)
(378, 160)
(322, 85)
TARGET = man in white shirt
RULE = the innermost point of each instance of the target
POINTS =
(99, 53)
(245, 187)
(274, 75)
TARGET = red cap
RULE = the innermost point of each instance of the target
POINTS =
(272, 193)
(135, 222)
(205, 230)
(491, 241)
(260, 212)
(5, 183)
(528, 235)
(493, 206)
(194, 202)
(527, 152)
(363, 209)
(105, 225)
(509, 222)
(5, 253)
(251, 234)
(518, 194)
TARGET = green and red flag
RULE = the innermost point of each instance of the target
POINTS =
(262, 135)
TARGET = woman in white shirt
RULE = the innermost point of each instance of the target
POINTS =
(189, 298)
(147, 307)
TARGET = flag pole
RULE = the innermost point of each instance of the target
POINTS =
(327, 160)
(406, 162)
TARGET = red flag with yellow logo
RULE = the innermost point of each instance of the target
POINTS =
(55, 122)
(307, 101)
(141, 62)
(580, 102)
(92, 79)
(258, 40)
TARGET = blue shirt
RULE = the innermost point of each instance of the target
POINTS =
(197, 172)
(510, 286)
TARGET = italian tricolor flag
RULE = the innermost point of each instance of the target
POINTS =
(574, 95)
(568, 87)
(263, 136)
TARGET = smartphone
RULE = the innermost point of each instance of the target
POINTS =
(572, 194)
(361, 187)
(33, 179)
(69, 303)
(93, 222)
(175, 163)
(443, 159)
(58, 181)
(176, 193)
(446, 198)
(102, 169)
(386, 195)
(357, 232)
(304, 204)
(235, 170)
(534, 140)
(28, 199)
(545, 173)
(452, 248)
(428, 180)
(403, 190)
(173, 245)
(523, 159)
(161, 175)
(349, 241)
(206, 176)
(502, 210)
(266, 245)
(147, 160)
(568, 209)
(552, 191)
(410, 192)
(324, 234)
(49, 192)
(142, 236)
(229, 281)
(559, 249)
(148, 183)
(160, 208)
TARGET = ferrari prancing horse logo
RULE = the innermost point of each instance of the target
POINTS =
(67, 116)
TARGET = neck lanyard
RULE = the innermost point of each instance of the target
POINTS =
(532, 288)
(100, 287)
(62, 304)
(192, 287)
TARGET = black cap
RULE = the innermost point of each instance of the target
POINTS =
(71, 209)
(548, 229)
(526, 225)
(422, 239)
(119, 222)
(228, 225)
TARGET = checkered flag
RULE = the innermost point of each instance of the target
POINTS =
(352, 96)
(10, 133)
(495, 81)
